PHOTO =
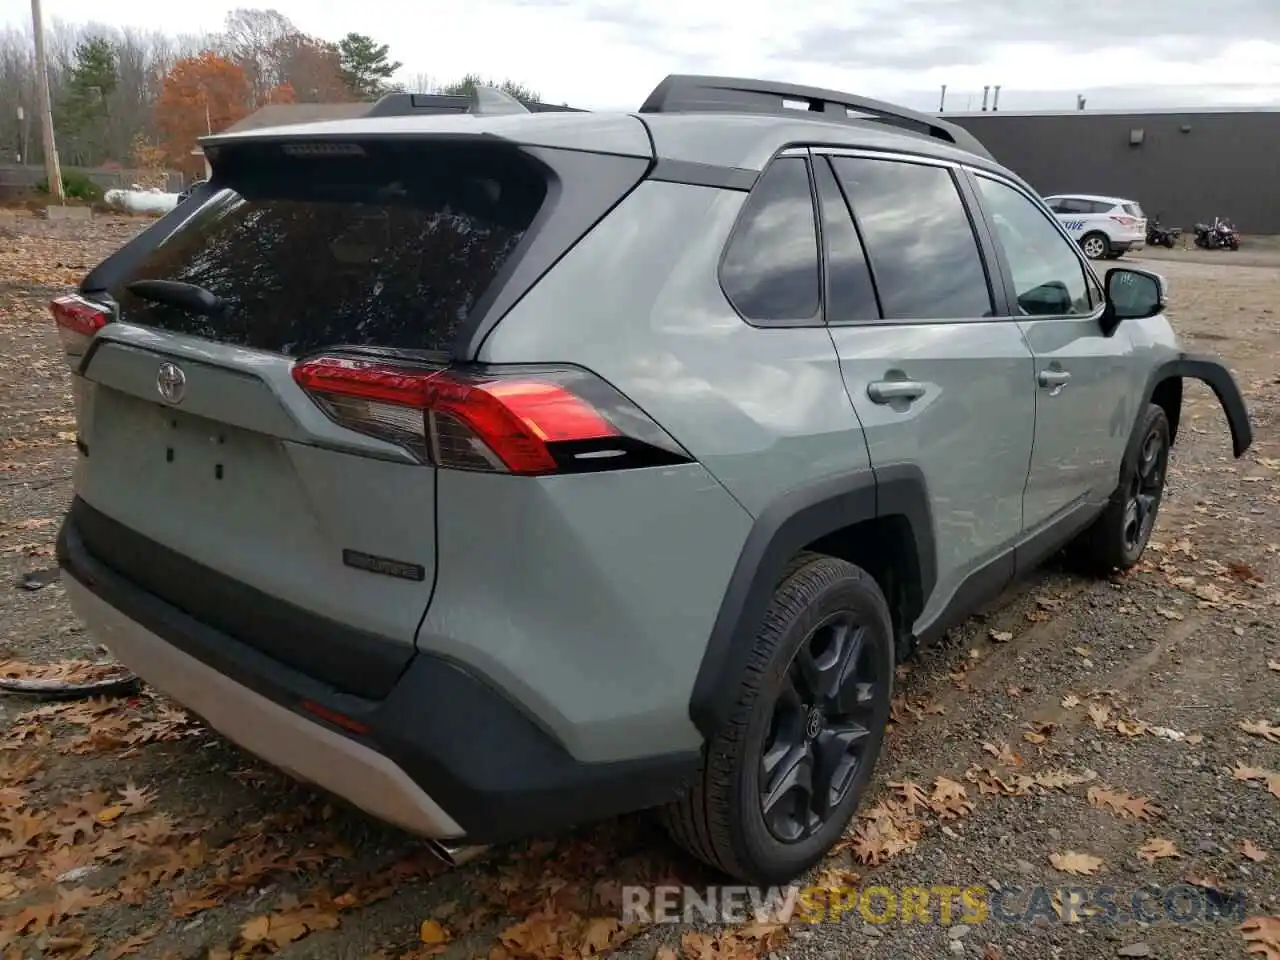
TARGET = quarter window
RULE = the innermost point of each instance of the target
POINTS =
(921, 245)
(770, 271)
(1048, 277)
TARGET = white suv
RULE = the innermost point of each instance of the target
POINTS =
(1105, 227)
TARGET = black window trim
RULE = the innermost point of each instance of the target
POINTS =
(817, 157)
(819, 319)
(971, 176)
(997, 285)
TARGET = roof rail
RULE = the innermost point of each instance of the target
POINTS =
(680, 93)
(487, 101)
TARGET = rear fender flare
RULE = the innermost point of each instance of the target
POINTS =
(784, 528)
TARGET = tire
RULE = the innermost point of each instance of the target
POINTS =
(1095, 245)
(821, 610)
(1117, 539)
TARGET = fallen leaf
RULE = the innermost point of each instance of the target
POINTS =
(1123, 804)
(1260, 728)
(432, 932)
(1273, 665)
(1170, 614)
(135, 943)
(1262, 937)
(1070, 701)
(1002, 753)
(992, 952)
(1099, 713)
(1157, 848)
(110, 814)
(1251, 850)
(949, 799)
(911, 795)
(1080, 864)
(1001, 636)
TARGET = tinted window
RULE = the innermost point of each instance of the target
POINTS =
(850, 293)
(392, 248)
(1048, 277)
(922, 249)
(770, 268)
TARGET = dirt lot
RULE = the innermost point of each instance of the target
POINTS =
(1077, 735)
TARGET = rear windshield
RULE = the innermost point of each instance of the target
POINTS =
(1133, 210)
(390, 244)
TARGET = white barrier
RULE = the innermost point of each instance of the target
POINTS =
(141, 201)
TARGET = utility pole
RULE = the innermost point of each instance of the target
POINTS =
(52, 170)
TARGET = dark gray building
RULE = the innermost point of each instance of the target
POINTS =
(1184, 165)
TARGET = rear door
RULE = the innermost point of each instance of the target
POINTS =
(937, 377)
(208, 475)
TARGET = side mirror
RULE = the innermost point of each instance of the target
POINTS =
(1133, 295)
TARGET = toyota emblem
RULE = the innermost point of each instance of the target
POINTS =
(171, 382)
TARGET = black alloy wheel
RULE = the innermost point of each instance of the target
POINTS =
(820, 729)
(1146, 488)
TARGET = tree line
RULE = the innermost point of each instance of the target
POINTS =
(133, 98)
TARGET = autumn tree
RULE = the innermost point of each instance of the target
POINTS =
(467, 87)
(200, 95)
(312, 69)
(366, 66)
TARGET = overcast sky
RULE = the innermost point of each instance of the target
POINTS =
(603, 54)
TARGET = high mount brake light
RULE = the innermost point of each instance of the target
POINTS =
(521, 420)
(78, 320)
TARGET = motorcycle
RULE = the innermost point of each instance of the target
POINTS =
(1221, 234)
(1158, 236)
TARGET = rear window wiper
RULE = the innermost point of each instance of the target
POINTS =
(188, 296)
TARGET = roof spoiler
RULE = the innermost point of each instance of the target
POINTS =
(685, 93)
(485, 101)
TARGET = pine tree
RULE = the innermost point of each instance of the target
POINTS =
(366, 68)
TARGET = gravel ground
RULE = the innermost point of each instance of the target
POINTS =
(1135, 722)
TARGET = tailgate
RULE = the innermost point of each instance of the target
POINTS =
(248, 509)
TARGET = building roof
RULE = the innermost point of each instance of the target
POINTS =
(283, 114)
(1090, 112)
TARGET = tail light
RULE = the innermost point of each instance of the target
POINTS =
(520, 420)
(1125, 221)
(77, 320)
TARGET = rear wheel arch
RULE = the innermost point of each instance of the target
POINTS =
(1164, 388)
(879, 520)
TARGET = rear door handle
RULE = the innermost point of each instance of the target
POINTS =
(886, 391)
(1057, 379)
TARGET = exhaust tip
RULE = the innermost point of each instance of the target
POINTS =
(455, 855)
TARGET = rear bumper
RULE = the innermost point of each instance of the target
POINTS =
(444, 755)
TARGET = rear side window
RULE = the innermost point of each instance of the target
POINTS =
(391, 246)
(923, 252)
(770, 269)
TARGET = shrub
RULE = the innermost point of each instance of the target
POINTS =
(75, 186)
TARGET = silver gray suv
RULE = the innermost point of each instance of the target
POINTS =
(505, 469)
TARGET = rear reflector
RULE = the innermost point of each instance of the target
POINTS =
(335, 718)
(526, 420)
(78, 320)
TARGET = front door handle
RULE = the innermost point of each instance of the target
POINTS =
(886, 391)
(1057, 379)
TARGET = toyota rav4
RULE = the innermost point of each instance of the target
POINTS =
(504, 469)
